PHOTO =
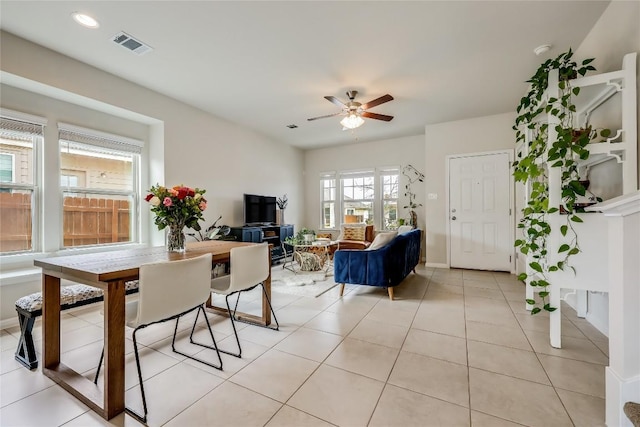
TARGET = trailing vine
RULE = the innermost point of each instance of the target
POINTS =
(561, 152)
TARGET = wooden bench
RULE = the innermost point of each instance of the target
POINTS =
(30, 307)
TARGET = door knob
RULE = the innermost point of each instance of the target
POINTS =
(453, 210)
(453, 218)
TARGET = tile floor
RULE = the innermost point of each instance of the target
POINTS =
(456, 348)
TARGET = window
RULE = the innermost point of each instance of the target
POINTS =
(357, 198)
(328, 202)
(369, 196)
(99, 183)
(20, 140)
(389, 181)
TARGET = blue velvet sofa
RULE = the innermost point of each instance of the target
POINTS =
(385, 267)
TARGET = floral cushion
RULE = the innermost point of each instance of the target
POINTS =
(69, 295)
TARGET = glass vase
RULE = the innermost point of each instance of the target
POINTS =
(176, 241)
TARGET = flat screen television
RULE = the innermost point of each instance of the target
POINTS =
(259, 210)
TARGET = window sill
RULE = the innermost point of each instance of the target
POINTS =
(22, 275)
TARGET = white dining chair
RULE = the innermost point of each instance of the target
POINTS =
(167, 291)
(249, 266)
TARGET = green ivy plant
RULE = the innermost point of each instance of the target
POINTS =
(561, 152)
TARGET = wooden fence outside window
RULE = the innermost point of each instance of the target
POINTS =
(86, 221)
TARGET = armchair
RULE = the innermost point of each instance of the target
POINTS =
(355, 236)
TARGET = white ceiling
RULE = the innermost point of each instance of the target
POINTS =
(268, 64)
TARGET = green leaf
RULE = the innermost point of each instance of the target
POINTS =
(564, 248)
(535, 310)
(530, 301)
(551, 309)
(574, 251)
(576, 90)
(605, 133)
(535, 266)
(553, 268)
(522, 277)
(543, 294)
(576, 218)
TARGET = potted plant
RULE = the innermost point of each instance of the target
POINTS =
(412, 175)
(561, 152)
(302, 237)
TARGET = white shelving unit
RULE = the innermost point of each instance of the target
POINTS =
(608, 99)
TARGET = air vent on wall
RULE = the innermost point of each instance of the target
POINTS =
(130, 43)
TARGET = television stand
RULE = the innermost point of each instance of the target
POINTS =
(272, 234)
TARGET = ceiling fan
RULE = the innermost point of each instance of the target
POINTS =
(355, 111)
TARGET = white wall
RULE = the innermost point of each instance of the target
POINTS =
(186, 145)
(476, 135)
(389, 152)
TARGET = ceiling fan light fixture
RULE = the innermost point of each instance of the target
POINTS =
(352, 121)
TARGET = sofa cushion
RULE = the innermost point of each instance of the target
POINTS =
(352, 232)
(382, 239)
(404, 229)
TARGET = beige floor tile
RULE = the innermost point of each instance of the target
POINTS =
(512, 286)
(400, 407)
(585, 411)
(364, 358)
(384, 313)
(572, 348)
(20, 383)
(336, 323)
(478, 419)
(171, 392)
(514, 294)
(541, 324)
(441, 287)
(228, 405)
(309, 343)
(298, 316)
(483, 293)
(496, 316)
(92, 419)
(448, 323)
(446, 280)
(439, 346)
(499, 335)
(9, 363)
(291, 417)
(230, 364)
(81, 336)
(433, 377)
(574, 375)
(507, 361)
(347, 399)
(481, 284)
(50, 407)
(265, 336)
(275, 374)
(589, 330)
(86, 358)
(602, 345)
(352, 306)
(380, 333)
(478, 275)
(516, 400)
(319, 303)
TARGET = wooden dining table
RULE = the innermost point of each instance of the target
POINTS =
(109, 271)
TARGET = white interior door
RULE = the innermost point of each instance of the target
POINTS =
(479, 212)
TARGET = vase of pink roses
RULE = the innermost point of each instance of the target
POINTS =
(176, 208)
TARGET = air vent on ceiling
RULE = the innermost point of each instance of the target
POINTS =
(130, 43)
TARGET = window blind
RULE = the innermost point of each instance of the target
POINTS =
(115, 143)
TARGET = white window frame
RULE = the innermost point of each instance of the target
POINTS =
(326, 177)
(381, 174)
(377, 201)
(117, 143)
(35, 186)
(13, 166)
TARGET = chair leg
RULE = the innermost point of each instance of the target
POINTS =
(131, 412)
(232, 316)
(95, 380)
(390, 291)
(26, 351)
(264, 291)
(341, 289)
(215, 345)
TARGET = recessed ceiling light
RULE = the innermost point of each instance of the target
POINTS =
(85, 20)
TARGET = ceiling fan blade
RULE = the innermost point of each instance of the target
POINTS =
(377, 101)
(336, 101)
(324, 117)
(376, 116)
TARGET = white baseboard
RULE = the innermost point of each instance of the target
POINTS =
(618, 392)
(9, 323)
(435, 265)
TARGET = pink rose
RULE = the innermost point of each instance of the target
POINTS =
(167, 201)
(203, 205)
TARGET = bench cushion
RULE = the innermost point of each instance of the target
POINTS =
(69, 295)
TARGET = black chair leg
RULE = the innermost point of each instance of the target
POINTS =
(26, 352)
(95, 380)
(264, 291)
(131, 412)
(215, 345)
